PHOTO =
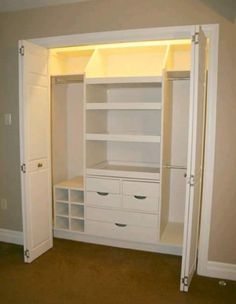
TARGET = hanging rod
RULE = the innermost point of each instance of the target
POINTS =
(178, 78)
(175, 167)
(64, 79)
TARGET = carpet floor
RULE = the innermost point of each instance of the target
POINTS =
(74, 272)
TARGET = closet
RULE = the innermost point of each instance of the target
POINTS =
(123, 130)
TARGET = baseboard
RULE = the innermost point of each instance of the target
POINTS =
(82, 237)
(11, 236)
(221, 270)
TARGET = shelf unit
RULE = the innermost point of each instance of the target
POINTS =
(123, 125)
(69, 205)
(126, 113)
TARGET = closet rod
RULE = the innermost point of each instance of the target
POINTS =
(178, 78)
(175, 167)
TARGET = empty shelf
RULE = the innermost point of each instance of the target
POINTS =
(124, 138)
(109, 80)
(124, 106)
(74, 183)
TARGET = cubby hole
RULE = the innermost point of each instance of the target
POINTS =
(77, 196)
(62, 222)
(61, 194)
(77, 211)
(62, 208)
(77, 225)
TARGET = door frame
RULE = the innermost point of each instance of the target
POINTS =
(180, 32)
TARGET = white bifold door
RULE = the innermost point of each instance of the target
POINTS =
(35, 149)
(195, 158)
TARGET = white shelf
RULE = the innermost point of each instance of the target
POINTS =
(124, 106)
(125, 170)
(74, 183)
(124, 80)
(124, 137)
(173, 234)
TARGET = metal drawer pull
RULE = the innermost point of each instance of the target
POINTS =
(40, 165)
(120, 225)
(140, 197)
(103, 193)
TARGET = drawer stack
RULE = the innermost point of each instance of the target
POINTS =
(122, 209)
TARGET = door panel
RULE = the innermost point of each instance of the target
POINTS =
(35, 150)
(195, 159)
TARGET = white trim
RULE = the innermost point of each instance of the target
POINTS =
(209, 162)
(212, 32)
(82, 237)
(173, 32)
(11, 236)
(220, 270)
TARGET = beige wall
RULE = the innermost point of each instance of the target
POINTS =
(106, 15)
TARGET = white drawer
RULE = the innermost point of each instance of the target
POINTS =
(103, 185)
(128, 232)
(141, 188)
(121, 217)
(140, 203)
(103, 199)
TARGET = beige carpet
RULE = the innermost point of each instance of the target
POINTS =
(81, 273)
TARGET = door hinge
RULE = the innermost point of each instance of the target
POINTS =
(195, 38)
(22, 50)
(191, 180)
(23, 168)
(27, 253)
(185, 281)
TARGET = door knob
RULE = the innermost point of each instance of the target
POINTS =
(40, 165)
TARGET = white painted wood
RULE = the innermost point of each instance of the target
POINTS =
(112, 80)
(84, 237)
(110, 200)
(195, 159)
(124, 106)
(129, 232)
(35, 146)
(165, 153)
(128, 170)
(167, 33)
(74, 183)
(219, 270)
(106, 185)
(11, 236)
(141, 188)
(145, 204)
(123, 137)
(212, 33)
(122, 217)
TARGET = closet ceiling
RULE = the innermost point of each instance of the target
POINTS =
(14, 5)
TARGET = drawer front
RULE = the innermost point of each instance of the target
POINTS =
(103, 185)
(141, 188)
(122, 217)
(103, 199)
(140, 203)
(131, 233)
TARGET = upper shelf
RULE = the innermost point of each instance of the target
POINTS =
(124, 106)
(125, 79)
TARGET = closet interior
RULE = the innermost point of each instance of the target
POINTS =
(120, 132)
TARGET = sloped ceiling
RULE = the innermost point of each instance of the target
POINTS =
(226, 8)
(14, 5)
